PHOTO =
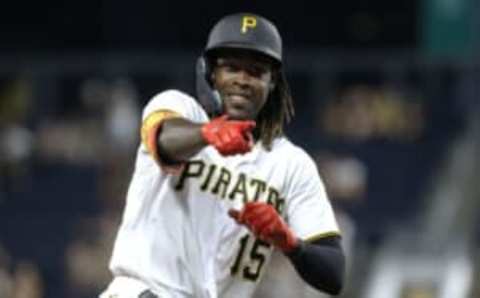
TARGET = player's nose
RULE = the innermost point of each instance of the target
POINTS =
(243, 78)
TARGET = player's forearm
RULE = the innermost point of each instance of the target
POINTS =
(179, 139)
(321, 265)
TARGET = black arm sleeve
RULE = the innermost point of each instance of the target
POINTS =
(321, 264)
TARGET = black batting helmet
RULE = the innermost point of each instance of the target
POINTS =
(246, 31)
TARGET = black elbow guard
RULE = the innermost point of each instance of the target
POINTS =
(321, 264)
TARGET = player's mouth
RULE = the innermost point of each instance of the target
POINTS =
(240, 101)
(239, 105)
(238, 97)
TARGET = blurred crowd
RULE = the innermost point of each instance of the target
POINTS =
(63, 181)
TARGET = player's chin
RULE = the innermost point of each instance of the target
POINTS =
(239, 114)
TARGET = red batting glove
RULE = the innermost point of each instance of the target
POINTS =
(266, 224)
(229, 137)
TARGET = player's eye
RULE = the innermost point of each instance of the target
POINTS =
(230, 67)
(227, 66)
(256, 71)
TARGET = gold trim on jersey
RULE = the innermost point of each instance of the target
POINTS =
(321, 235)
(149, 132)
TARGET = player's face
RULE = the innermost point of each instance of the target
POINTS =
(243, 81)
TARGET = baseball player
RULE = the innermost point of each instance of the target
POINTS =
(217, 186)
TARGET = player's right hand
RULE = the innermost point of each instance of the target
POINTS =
(266, 224)
(229, 137)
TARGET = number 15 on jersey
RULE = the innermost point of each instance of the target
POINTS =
(249, 262)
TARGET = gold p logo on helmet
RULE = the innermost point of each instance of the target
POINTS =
(248, 22)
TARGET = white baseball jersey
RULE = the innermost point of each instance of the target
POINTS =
(176, 236)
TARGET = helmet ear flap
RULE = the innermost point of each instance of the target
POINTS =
(207, 96)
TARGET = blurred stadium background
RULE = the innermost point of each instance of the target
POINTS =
(387, 103)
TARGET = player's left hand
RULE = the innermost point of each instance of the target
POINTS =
(266, 224)
(229, 137)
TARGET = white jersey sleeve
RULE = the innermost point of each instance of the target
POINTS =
(165, 105)
(176, 101)
(308, 210)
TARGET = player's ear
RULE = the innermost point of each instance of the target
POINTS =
(212, 70)
(273, 81)
(271, 86)
(213, 81)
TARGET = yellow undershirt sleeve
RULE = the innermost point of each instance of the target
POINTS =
(149, 132)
